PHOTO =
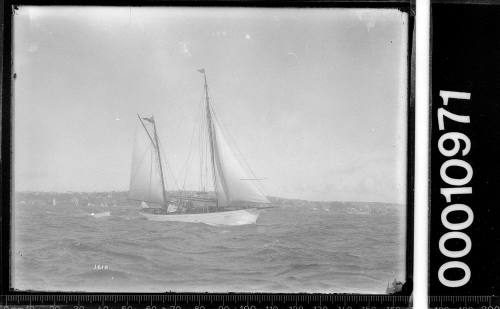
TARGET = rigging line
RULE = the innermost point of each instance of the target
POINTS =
(198, 131)
(185, 166)
(132, 173)
(205, 145)
(206, 154)
(165, 162)
(169, 172)
(207, 161)
(200, 158)
(201, 141)
(162, 160)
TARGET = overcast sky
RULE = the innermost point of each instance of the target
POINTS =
(315, 99)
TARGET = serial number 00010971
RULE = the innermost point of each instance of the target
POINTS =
(452, 145)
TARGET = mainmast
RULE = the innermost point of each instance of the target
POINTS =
(228, 174)
(156, 144)
(212, 137)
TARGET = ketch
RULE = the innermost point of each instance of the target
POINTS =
(237, 199)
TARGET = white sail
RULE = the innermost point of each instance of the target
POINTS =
(232, 181)
(145, 179)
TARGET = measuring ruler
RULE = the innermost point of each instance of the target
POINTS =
(237, 301)
(203, 301)
(464, 302)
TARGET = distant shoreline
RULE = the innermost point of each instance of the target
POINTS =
(274, 199)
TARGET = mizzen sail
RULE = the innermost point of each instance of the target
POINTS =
(146, 181)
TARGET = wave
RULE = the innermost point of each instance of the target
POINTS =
(315, 250)
(103, 274)
(300, 267)
(100, 214)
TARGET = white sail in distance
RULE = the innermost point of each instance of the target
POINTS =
(146, 182)
(232, 181)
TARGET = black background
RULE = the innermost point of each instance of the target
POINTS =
(465, 57)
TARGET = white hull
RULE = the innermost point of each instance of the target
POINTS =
(232, 217)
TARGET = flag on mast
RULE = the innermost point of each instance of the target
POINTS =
(202, 71)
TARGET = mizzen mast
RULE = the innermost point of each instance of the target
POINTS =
(154, 140)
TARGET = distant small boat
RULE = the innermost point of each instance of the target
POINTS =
(237, 199)
(101, 214)
(358, 211)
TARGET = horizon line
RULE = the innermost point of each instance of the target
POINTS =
(288, 198)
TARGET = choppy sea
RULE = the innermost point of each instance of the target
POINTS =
(290, 249)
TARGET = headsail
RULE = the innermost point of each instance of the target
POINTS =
(232, 179)
(229, 175)
(146, 182)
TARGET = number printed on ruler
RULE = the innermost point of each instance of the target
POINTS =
(454, 147)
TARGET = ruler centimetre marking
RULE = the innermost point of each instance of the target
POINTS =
(205, 301)
(237, 301)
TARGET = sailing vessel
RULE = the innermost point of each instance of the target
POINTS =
(236, 198)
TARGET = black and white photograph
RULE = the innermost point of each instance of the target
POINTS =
(209, 149)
